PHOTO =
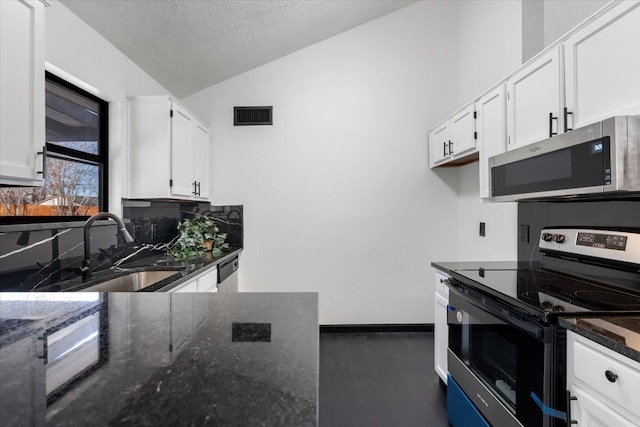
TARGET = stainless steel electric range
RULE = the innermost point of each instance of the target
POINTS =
(506, 353)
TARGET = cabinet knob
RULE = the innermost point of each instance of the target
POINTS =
(611, 376)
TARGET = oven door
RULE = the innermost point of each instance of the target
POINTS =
(500, 358)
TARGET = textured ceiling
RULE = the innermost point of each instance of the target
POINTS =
(189, 45)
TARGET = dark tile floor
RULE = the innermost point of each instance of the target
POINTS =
(379, 379)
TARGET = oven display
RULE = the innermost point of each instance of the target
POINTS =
(604, 241)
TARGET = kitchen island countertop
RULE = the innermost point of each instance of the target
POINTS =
(168, 359)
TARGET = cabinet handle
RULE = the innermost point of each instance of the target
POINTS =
(567, 113)
(611, 376)
(194, 188)
(444, 149)
(569, 400)
(551, 119)
(450, 149)
(44, 159)
(198, 188)
(45, 349)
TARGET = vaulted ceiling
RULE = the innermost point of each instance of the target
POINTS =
(189, 45)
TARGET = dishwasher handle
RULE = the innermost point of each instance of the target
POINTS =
(227, 268)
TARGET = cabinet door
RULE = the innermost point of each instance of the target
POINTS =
(22, 383)
(491, 128)
(441, 330)
(463, 126)
(588, 411)
(201, 160)
(182, 126)
(441, 336)
(602, 67)
(22, 113)
(208, 282)
(534, 101)
(439, 143)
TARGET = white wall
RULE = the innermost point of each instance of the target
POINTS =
(490, 44)
(75, 48)
(337, 194)
(490, 47)
(560, 16)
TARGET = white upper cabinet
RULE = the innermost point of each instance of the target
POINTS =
(22, 112)
(491, 125)
(182, 125)
(201, 159)
(463, 127)
(535, 101)
(439, 143)
(168, 151)
(602, 67)
(453, 141)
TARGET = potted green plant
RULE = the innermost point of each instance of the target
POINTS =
(197, 235)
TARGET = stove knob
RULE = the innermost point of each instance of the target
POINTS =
(558, 309)
(546, 305)
(547, 237)
(559, 238)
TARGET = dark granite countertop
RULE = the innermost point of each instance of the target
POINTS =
(185, 270)
(618, 333)
(176, 359)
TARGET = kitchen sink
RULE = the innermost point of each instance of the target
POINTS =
(131, 282)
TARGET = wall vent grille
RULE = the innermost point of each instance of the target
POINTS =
(252, 116)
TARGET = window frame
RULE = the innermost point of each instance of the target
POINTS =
(55, 151)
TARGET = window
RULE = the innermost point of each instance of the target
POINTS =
(75, 172)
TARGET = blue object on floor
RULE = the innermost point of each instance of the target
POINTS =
(460, 410)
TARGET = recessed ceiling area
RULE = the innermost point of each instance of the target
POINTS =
(189, 45)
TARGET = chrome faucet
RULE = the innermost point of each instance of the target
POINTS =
(86, 263)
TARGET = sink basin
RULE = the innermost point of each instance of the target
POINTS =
(131, 282)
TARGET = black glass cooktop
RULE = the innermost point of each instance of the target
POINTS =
(547, 293)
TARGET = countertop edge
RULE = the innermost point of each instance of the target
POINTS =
(599, 338)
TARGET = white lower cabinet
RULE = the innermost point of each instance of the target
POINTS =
(440, 328)
(204, 282)
(208, 282)
(603, 385)
(22, 383)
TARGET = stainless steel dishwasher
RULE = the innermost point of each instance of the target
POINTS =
(228, 275)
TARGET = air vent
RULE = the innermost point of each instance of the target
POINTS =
(252, 116)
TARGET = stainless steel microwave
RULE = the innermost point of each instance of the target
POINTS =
(603, 157)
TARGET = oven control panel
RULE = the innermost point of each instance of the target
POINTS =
(612, 245)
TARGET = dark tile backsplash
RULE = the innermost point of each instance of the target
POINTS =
(32, 258)
(609, 213)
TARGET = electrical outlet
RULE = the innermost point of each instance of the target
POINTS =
(482, 229)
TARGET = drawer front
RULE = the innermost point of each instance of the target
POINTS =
(593, 363)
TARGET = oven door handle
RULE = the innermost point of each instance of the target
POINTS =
(478, 310)
(547, 410)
